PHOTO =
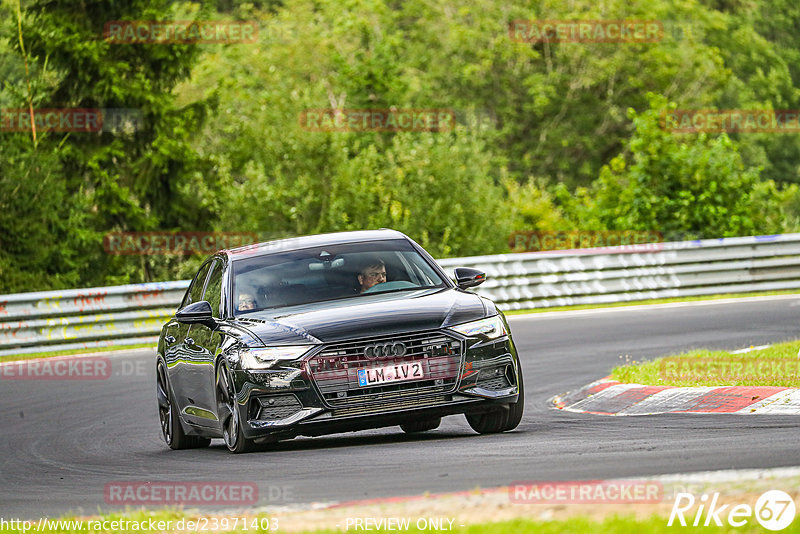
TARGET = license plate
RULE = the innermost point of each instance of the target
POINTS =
(390, 373)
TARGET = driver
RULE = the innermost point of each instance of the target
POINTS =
(246, 302)
(372, 273)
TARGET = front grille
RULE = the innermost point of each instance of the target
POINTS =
(334, 370)
(404, 404)
(278, 407)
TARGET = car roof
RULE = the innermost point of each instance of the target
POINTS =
(319, 240)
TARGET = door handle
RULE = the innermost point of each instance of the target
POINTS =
(189, 341)
(170, 339)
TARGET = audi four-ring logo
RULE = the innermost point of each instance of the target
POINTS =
(384, 350)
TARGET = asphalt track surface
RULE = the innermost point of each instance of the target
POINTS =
(62, 441)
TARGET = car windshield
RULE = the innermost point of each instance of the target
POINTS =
(332, 272)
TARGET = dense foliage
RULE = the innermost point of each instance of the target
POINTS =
(547, 136)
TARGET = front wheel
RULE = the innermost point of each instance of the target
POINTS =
(228, 414)
(171, 429)
(502, 419)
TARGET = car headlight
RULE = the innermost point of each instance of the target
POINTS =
(489, 328)
(267, 357)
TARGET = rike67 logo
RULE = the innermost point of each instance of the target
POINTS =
(774, 510)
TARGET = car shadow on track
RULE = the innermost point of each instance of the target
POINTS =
(351, 440)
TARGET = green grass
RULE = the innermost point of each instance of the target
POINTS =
(649, 301)
(574, 525)
(777, 365)
(32, 355)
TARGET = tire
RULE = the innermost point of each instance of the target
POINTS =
(502, 419)
(423, 425)
(171, 429)
(232, 432)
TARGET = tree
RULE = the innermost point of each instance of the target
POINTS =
(113, 180)
(685, 186)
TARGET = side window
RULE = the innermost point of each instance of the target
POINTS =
(196, 289)
(214, 288)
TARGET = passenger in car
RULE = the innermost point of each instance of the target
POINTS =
(372, 273)
(246, 302)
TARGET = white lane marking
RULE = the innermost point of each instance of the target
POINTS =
(586, 405)
(677, 400)
(749, 349)
(645, 307)
(109, 354)
(666, 401)
(730, 475)
(557, 400)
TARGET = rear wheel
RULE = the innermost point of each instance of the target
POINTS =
(502, 419)
(421, 426)
(171, 429)
(228, 414)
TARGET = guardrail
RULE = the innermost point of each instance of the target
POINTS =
(84, 318)
(132, 314)
(619, 274)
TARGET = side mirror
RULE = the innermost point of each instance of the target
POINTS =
(197, 313)
(467, 277)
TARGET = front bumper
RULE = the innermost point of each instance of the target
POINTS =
(321, 395)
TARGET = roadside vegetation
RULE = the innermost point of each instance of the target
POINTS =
(562, 136)
(775, 365)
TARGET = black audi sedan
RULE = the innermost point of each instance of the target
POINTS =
(332, 333)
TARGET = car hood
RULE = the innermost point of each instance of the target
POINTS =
(367, 315)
